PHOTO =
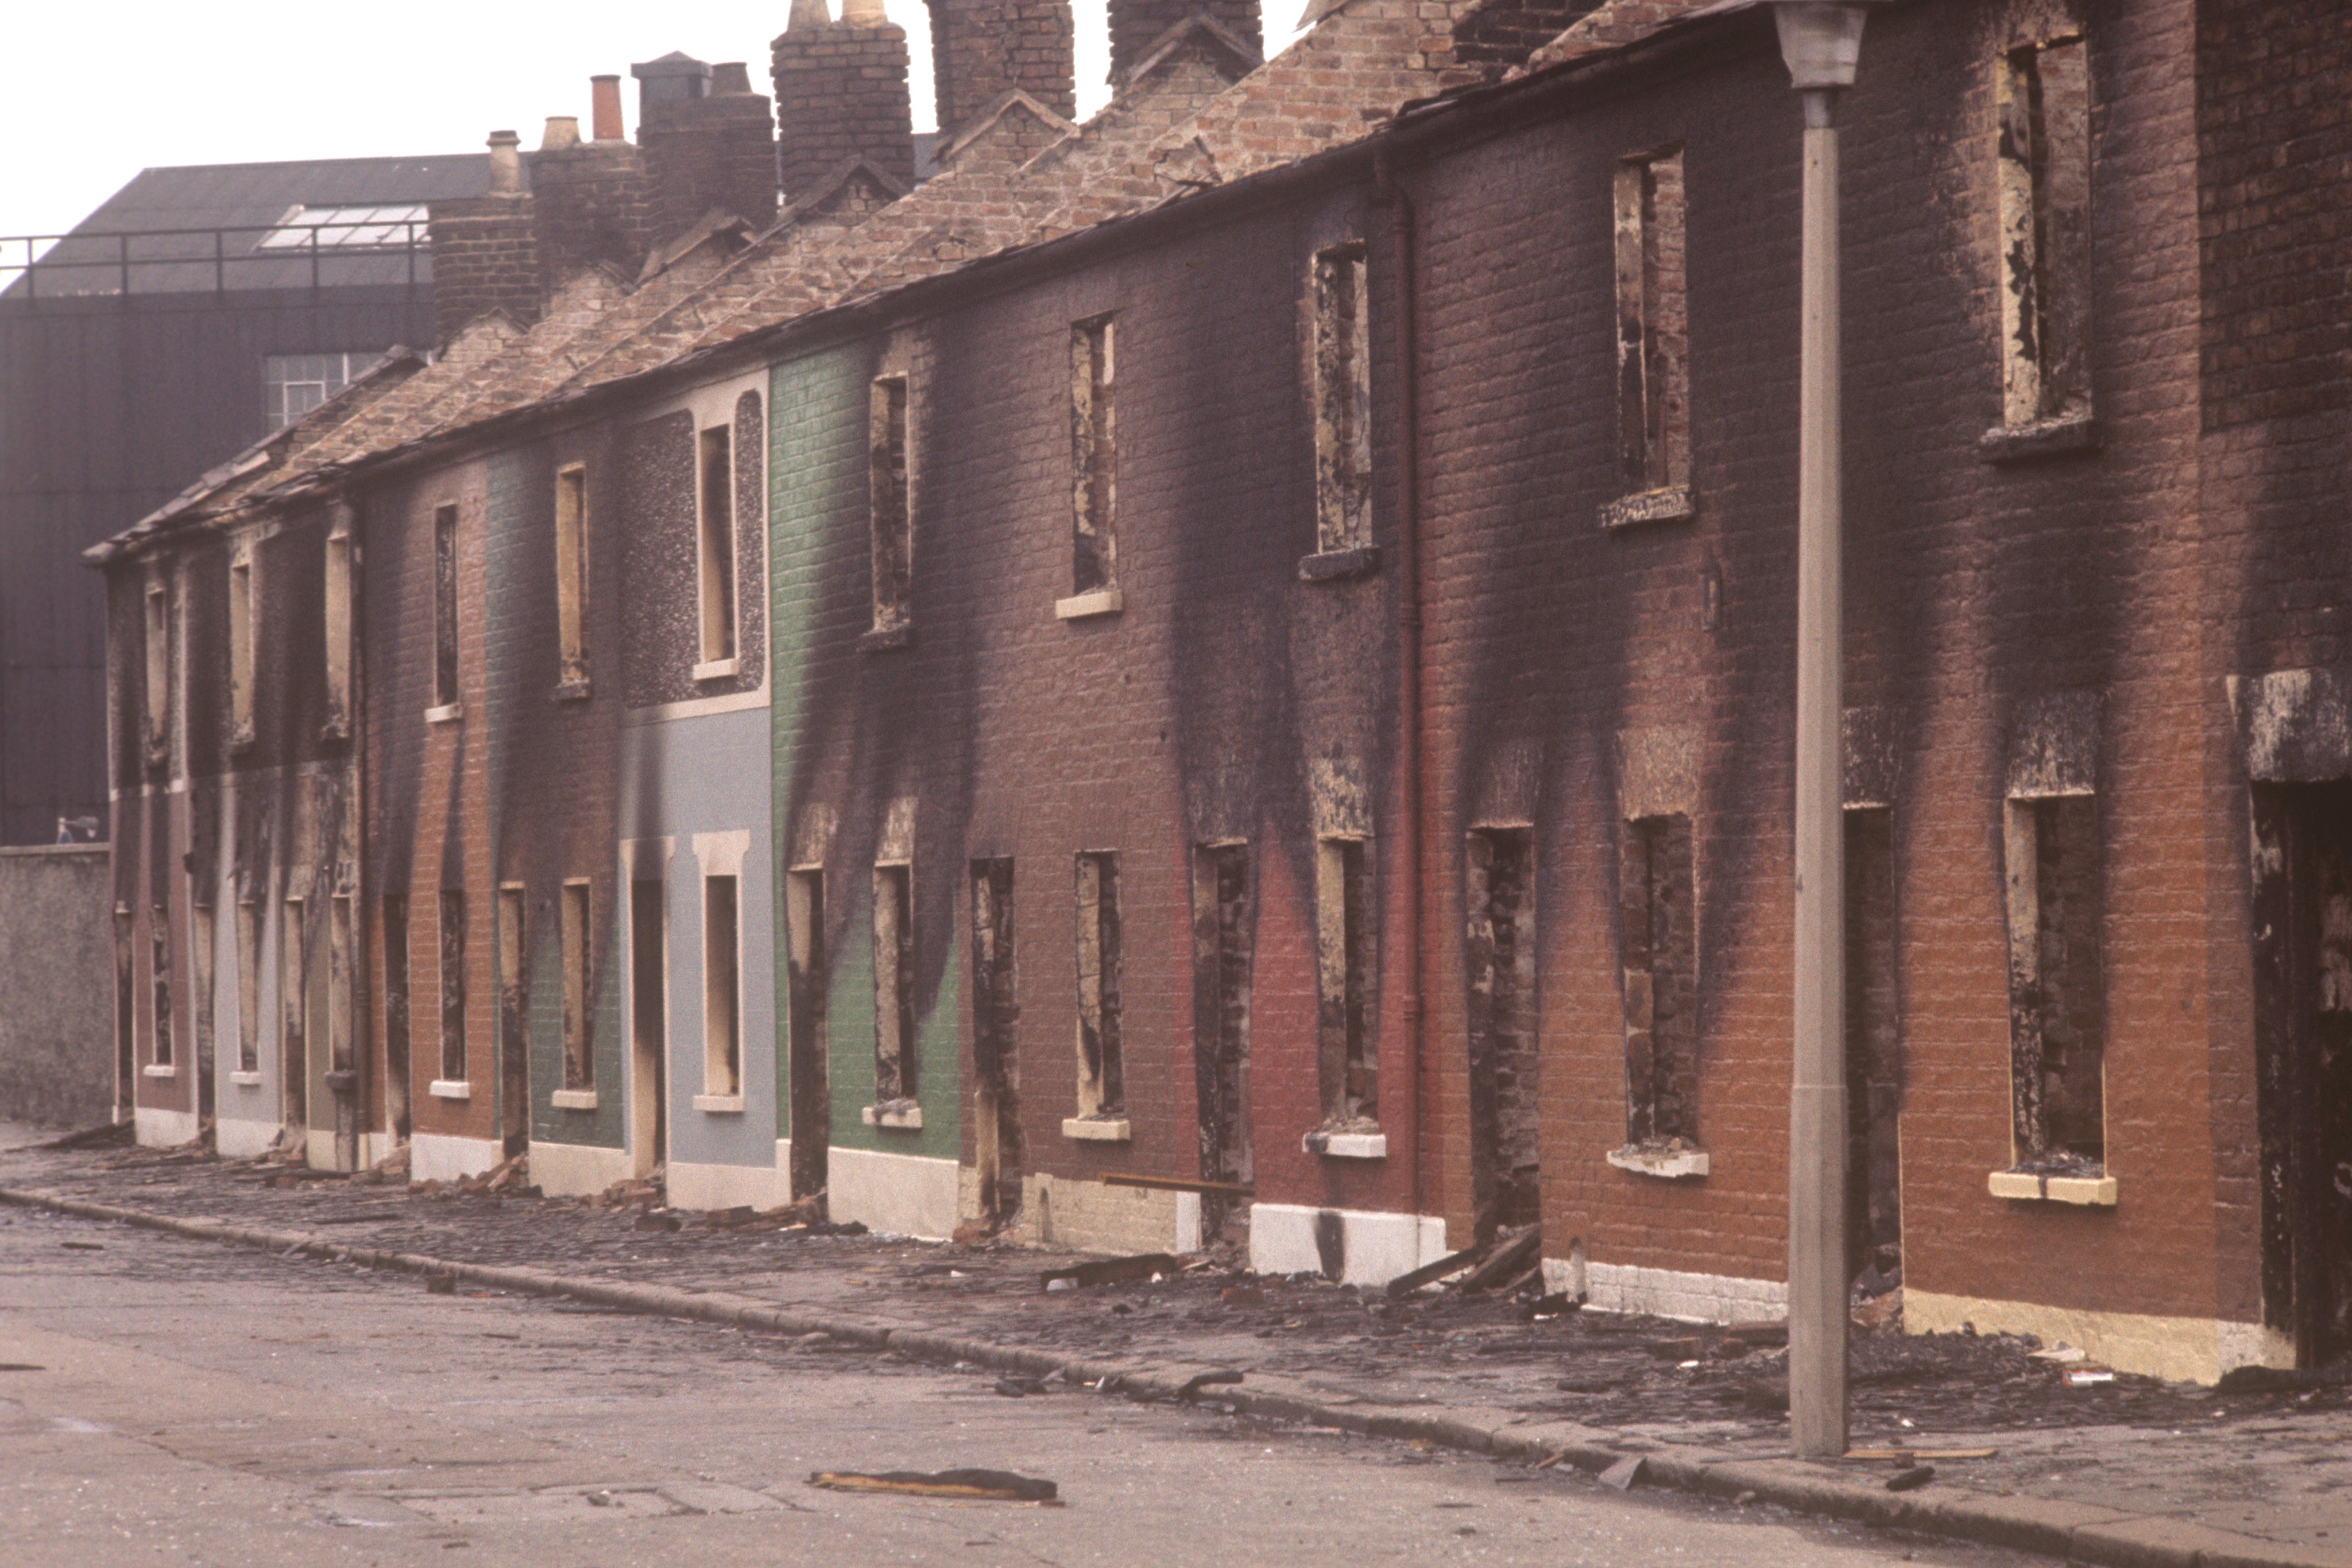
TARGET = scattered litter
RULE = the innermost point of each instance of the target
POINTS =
(1143, 1266)
(1002, 1486)
(1912, 1455)
(1625, 1473)
(1911, 1479)
(2088, 1377)
(1559, 1304)
(2061, 1350)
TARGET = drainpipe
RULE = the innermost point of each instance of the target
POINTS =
(1395, 208)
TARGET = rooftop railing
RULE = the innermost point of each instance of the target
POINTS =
(217, 260)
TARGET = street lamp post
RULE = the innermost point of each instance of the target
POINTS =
(1821, 43)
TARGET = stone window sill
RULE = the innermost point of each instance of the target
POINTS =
(1084, 606)
(2030, 1187)
(1098, 1129)
(883, 637)
(160, 1070)
(244, 1079)
(448, 713)
(2047, 438)
(1671, 504)
(572, 691)
(1338, 565)
(574, 1099)
(1666, 1164)
(450, 1089)
(1347, 1146)
(898, 1115)
(720, 1105)
(717, 669)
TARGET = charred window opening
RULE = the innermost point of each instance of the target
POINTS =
(807, 964)
(893, 987)
(1653, 314)
(1102, 1090)
(293, 1014)
(2042, 98)
(396, 1007)
(444, 606)
(2056, 984)
(1094, 458)
(248, 985)
(1661, 966)
(126, 1005)
(722, 1004)
(571, 918)
(342, 1022)
(338, 583)
(159, 940)
(453, 985)
(158, 650)
(1503, 1043)
(1873, 1047)
(572, 579)
(1222, 931)
(514, 1008)
(240, 650)
(716, 554)
(995, 1020)
(1347, 960)
(892, 516)
(1343, 402)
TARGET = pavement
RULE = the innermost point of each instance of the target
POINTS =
(2132, 1473)
(182, 1403)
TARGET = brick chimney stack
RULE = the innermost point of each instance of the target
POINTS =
(591, 195)
(485, 248)
(1137, 24)
(708, 143)
(841, 93)
(982, 49)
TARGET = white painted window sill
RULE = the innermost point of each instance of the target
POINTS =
(717, 669)
(2088, 1192)
(1666, 1164)
(1079, 606)
(1098, 1129)
(450, 1089)
(1347, 1146)
(901, 1117)
(244, 1080)
(574, 1099)
(720, 1105)
(448, 713)
(160, 1070)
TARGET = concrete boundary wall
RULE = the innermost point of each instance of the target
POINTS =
(56, 985)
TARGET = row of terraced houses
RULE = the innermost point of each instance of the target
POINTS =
(1226, 672)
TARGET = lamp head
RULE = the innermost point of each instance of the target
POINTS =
(1821, 40)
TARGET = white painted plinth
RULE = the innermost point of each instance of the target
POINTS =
(907, 1195)
(726, 1187)
(572, 1170)
(432, 1156)
(243, 1140)
(166, 1129)
(1373, 1247)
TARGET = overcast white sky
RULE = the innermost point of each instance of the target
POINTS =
(103, 92)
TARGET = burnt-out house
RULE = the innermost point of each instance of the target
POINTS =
(1224, 674)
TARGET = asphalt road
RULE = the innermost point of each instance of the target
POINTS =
(175, 1402)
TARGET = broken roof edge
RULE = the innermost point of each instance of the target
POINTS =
(1465, 112)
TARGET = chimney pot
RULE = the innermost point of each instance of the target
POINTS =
(506, 163)
(562, 131)
(604, 100)
(806, 15)
(732, 78)
(862, 14)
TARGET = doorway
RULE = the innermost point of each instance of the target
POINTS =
(811, 1074)
(2302, 1044)
(1873, 1055)
(1222, 931)
(995, 1043)
(648, 1027)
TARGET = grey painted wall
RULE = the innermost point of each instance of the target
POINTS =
(57, 986)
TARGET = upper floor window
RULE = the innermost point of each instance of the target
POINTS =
(1653, 344)
(157, 639)
(294, 384)
(2042, 100)
(240, 647)
(1343, 402)
(715, 550)
(445, 614)
(572, 582)
(1093, 467)
(890, 516)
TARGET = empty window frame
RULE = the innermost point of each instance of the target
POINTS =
(339, 628)
(1658, 909)
(2042, 98)
(2056, 983)
(240, 648)
(894, 986)
(1347, 967)
(891, 518)
(1343, 402)
(1102, 1090)
(453, 985)
(1094, 458)
(572, 915)
(159, 973)
(444, 606)
(158, 650)
(249, 985)
(1652, 316)
(722, 989)
(571, 579)
(715, 550)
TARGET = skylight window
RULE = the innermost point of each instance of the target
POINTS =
(367, 227)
